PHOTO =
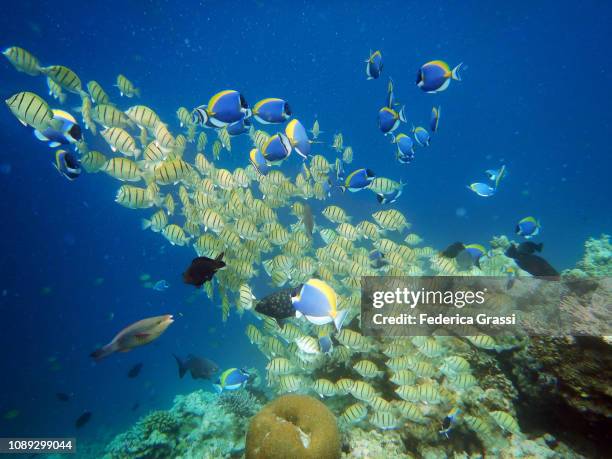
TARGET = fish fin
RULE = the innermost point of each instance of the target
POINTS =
(54, 144)
(402, 114)
(145, 224)
(39, 135)
(220, 256)
(102, 352)
(339, 319)
(218, 388)
(181, 366)
(455, 72)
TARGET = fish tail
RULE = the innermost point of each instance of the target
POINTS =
(102, 352)
(339, 319)
(402, 114)
(137, 92)
(455, 72)
(145, 224)
(181, 366)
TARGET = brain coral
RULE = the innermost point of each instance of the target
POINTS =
(293, 426)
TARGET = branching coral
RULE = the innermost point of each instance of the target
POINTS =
(241, 403)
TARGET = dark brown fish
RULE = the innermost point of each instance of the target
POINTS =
(199, 367)
(277, 305)
(202, 270)
(62, 397)
(533, 264)
(83, 419)
(135, 370)
(453, 250)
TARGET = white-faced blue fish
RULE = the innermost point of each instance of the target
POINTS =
(239, 127)
(68, 132)
(161, 285)
(496, 175)
(325, 343)
(272, 111)
(232, 379)
(67, 165)
(405, 145)
(421, 136)
(358, 180)
(277, 148)
(298, 136)
(227, 107)
(389, 119)
(374, 65)
(475, 251)
(259, 162)
(377, 259)
(434, 119)
(435, 76)
(317, 302)
(449, 421)
(527, 227)
(482, 189)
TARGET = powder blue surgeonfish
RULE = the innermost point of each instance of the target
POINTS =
(435, 76)
(259, 162)
(67, 165)
(482, 189)
(325, 343)
(277, 148)
(358, 180)
(421, 136)
(317, 302)
(374, 65)
(239, 127)
(389, 119)
(227, 107)
(232, 379)
(496, 175)
(68, 132)
(298, 136)
(528, 227)
(434, 119)
(272, 111)
(476, 251)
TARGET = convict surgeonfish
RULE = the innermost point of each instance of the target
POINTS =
(138, 334)
(32, 110)
(374, 65)
(22, 60)
(272, 111)
(126, 87)
(69, 132)
(435, 76)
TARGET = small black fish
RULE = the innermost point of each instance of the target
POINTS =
(533, 264)
(83, 419)
(62, 397)
(453, 250)
(135, 406)
(202, 270)
(135, 370)
(529, 247)
(199, 367)
(277, 305)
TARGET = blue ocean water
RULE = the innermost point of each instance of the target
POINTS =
(534, 97)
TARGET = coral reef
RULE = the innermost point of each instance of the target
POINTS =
(597, 259)
(199, 425)
(293, 426)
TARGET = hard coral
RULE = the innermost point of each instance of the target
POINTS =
(293, 426)
(241, 403)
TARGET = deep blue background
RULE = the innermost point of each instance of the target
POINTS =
(535, 96)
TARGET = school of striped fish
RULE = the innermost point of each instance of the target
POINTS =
(172, 170)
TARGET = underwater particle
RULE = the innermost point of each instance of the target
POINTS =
(46, 291)
(98, 281)
(293, 426)
(144, 277)
(460, 212)
(160, 285)
(62, 397)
